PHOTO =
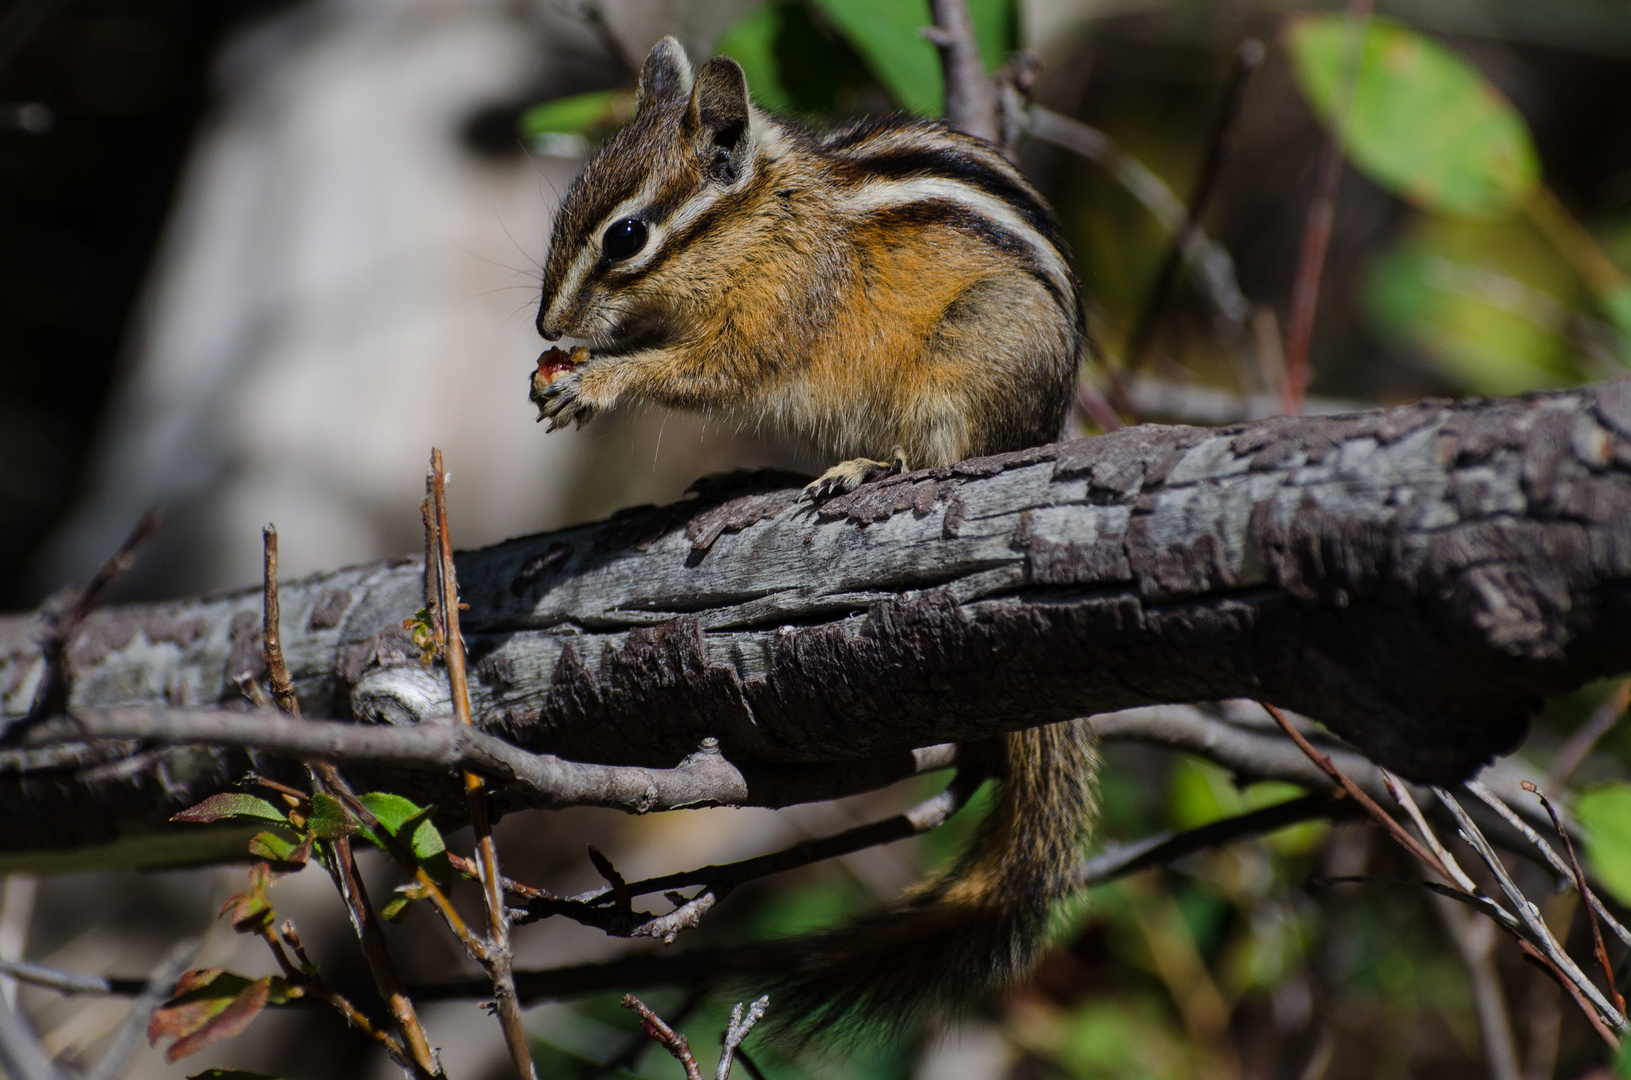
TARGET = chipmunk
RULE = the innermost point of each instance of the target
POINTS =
(889, 294)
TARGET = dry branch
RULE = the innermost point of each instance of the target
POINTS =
(1416, 579)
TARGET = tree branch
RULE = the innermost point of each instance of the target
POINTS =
(1416, 579)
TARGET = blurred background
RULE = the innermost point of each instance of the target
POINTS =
(257, 256)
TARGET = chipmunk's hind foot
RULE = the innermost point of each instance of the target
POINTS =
(846, 476)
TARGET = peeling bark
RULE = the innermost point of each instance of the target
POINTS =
(1416, 579)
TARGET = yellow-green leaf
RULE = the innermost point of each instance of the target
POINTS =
(1425, 123)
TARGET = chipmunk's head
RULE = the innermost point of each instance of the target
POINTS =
(657, 191)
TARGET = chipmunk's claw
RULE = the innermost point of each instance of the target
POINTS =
(560, 403)
(846, 476)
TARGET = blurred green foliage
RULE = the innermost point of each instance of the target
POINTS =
(1468, 285)
(1606, 813)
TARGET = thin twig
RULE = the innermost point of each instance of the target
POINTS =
(1402, 796)
(1322, 214)
(667, 1037)
(1165, 847)
(1574, 752)
(499, 957)
(720, 880)
(1214, 268)
(1247, 58)
(631, 1054)
(737, 1031)
(1382, 817)
(1553, 859)
(307, 975)
(1580, 884)
(1602, 1014)
(51, 697)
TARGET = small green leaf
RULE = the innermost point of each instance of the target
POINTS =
(231, 804)
(329, 820)
(1606, 814)
(280, 846)
(1425, 123)
(399, 816)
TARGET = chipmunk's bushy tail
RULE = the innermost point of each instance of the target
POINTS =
(955, 941)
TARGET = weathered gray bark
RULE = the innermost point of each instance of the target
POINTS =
(1415, 578)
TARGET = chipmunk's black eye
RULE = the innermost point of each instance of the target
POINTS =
(623, 238)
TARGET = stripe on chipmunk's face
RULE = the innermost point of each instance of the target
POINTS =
(640, 197)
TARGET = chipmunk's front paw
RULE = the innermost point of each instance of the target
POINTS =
(560, 399)
(846, 476)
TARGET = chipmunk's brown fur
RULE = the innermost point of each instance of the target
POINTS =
(892, 287)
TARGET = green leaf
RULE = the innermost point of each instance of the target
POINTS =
(1425, 124)
(231, 804)
(1606, 814)
(588, 115)
(401, 816)
(886, 34)
(329, 820)
(281, 846)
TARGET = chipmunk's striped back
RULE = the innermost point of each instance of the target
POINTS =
(893, 284)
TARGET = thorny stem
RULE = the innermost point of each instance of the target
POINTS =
(499, 958)
(341, 865)
(1322, 216)
(1580, 884)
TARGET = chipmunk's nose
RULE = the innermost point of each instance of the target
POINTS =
(548, 333)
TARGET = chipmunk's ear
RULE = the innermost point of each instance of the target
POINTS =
(665, 76)
(719, 120)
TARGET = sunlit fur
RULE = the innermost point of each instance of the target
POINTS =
(892, 283)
